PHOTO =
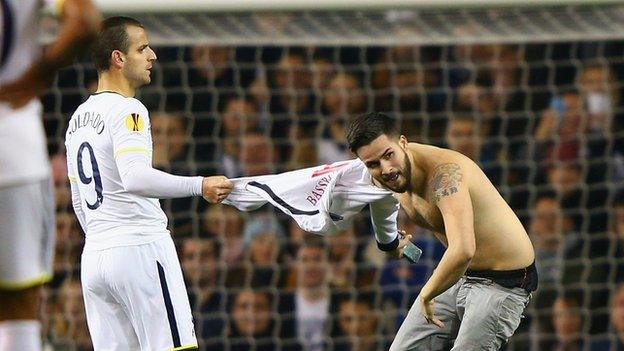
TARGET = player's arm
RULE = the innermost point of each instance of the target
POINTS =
(132, 145)
(75, 194)
(451, 194)
(138, 177)
(77, 204)
(384, 213)
(80, 23)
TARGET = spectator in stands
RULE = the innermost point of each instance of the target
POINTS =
(357, 325)
(475, 96)
(69, 329)
(238, 115)
(291, 99)
(405, 80)
(464, 57)
(568, 322)
(611, 248)
(69, 241)
(263, 238)
(614, 341)
(559, 130)
(170, 142)
(504, 73)
(304, 154)
(171, 154)
(296, 237)
(348, 269)
(322, 70)
(292, 80)
(463, 135)
(62, 193)
(251, 324)
(306, 311)
(259, 91)
(617, 158)
(211, 66)
(553, 237)
(342, 98)
(256, 154)
(566, 179)
(263, 235)
(597, 85)
(555, 242)
(226, 224)
(599, 90)
(199, 259)
(344, 268)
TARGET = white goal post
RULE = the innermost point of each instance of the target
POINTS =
(370, 22)
(308, 5)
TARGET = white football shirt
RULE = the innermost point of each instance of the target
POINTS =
(23, 151)
(105, 128)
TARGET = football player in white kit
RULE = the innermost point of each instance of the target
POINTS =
(132, 283)
(26, 200)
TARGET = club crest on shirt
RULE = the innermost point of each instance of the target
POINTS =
(134, 122)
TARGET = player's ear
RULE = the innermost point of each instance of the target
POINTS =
(403, 142)
(117, 58)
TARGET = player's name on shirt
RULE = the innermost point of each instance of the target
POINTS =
(319, 189)
(86, 119)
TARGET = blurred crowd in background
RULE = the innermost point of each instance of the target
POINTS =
(544, 121)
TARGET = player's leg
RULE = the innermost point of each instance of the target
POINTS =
(109, 325)
(151, 287)
(489, 315)
(416, 334)
(26, 250)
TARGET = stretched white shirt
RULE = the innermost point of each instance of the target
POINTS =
(115, 190)
(322, 199)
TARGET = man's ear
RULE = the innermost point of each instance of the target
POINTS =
(403, 142)
(117, 58)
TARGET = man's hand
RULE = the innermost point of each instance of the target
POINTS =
(404, 239)
(427, 310)
(216, 188)
(27, 87)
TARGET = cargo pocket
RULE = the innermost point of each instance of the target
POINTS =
(509, 319)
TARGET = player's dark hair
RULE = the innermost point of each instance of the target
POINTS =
(361, 130)
(113, 36)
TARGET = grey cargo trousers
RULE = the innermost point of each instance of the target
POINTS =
(477, 313)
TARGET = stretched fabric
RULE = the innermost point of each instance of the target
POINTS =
(321, 199)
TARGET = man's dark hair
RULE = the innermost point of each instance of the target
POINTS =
(113, 36)
(361, 130)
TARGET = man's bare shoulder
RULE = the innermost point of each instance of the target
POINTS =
(436, 157)
(447, 170)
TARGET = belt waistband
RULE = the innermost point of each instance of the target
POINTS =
(521, 273)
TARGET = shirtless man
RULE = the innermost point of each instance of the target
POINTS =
(484, 279)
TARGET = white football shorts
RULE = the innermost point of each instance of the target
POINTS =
(135, 298)
(27, 235)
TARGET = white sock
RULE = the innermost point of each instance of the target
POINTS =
(20, 335)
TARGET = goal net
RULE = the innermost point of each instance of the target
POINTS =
(532, 91)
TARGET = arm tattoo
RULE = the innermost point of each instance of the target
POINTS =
(446, 180)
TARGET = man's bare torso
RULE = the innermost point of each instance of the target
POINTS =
(501, 241)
